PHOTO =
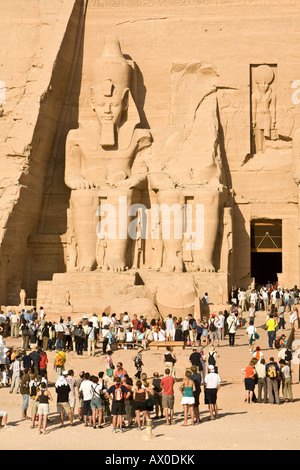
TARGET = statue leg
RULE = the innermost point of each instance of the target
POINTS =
(84, 207)
(120, 200)
(172, 233)
(207, 229)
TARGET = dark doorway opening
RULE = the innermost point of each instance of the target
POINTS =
(265, 266)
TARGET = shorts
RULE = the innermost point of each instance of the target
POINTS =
(249, 384)
(157, 399)
(61, 407)
(86, 408)
(210, 396)
(72, 400)
(168, 401)
(25, 403)
(169, 334)
(140, 406)
(187, 401)
(3, 414)
(34, 407)
(118, 408)
(96, 403)
(43, 409)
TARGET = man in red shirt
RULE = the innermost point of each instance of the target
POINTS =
(135, 323)
(120, 372)
(167, 385)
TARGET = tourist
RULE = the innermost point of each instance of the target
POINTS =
(150, 391)
(252, 335)
(59, 362)
(157, 395)
(213, 334)
(96, 402)
(25, 331)
(71, 381)
(80, 398)
(170, 361)
(68, 346)
(286, 377)
(24, 390)
(138, 363)
(34, 386)
(232, 327)
(271, 325)
(105, 338)
(60, 329)
(4, 419)
(170, 329)
(212, 358)
(195, 359)
(204, 326)
(167, 385)
(128, 402)
(187, 389)
(43, 396)
(79, 336)
(196, 378)
(14, 323)
(90, 332)
(85, 390)
(15, 369)
(220, 326)
(35, 357)
(203, 363)
(43, 361)
(249, 381)
(262, 385)
(272, 373)
(212, 383)
(109, 364)
(62, 390)
(258, 354)
(140, 395)
(117, 393)
(120, 371)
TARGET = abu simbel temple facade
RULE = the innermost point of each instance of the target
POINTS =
(149, 152)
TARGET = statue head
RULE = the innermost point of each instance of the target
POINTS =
(263, 76)
(110, 91)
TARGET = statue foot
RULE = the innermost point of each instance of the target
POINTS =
(205, 266)
(116, 266)
(173, 265)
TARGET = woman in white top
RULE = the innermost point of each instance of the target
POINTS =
(251, 331)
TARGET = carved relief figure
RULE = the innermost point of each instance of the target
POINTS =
(100, 154)
(263, 106)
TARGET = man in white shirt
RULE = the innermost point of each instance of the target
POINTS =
(169, 328)
(14, 323)
(85, 390)
(212, 383)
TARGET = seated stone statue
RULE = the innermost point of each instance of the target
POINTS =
(100, 154)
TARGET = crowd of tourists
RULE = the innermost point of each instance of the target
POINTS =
(112, 396)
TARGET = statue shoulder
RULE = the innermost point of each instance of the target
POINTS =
(143, 138)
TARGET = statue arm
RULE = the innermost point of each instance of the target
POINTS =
(273, 109)
(73, 177)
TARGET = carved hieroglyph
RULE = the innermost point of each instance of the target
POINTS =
(99, 156)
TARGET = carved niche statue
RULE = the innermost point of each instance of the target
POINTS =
(263, 106)
(100, 154)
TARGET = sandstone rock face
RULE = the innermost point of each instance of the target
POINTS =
(204, 114)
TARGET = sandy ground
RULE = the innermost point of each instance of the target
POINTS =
(240, 426)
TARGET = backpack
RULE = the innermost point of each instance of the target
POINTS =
(211, 360)
(141, 327)
(194, 325)
(288, 355)
(277, 343)
(272, 372)
(34, 389)
(277, 295)
(118, 393)
(138, 361)
(59, 361)
(212, 327)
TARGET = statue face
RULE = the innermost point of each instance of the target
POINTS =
(109, 109)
